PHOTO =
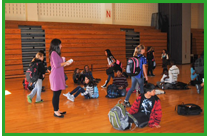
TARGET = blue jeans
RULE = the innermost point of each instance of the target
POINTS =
(37, 90)
(122, 92)
(77, 90)
(135, 80)
(109, 77)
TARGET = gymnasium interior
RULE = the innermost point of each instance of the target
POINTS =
(86, 31)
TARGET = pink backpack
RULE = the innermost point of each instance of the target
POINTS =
(118, 63)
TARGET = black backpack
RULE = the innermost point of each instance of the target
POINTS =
(112, 91)
(133, 66)
(32, 73)
(188, 109)
(180, 86)
(199, 65)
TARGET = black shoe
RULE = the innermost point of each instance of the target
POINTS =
(63, 113)
(61, 116)
(152, 75)
(127, 104)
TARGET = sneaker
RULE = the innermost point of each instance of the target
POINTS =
(39, 101)
(66, 94)
(82, 94)
(127, 104)
(71, 98)
(104, 86)
(29, 99)
(198, 87)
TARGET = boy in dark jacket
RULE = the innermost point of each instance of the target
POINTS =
(147, 109)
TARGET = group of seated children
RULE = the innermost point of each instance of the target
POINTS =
(79, 78)
(86, 78)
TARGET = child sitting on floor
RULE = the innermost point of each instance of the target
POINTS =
(147, 109)
(87, 72)
(88, 93)
(77, 76)
(121, 82)
(194, 77)
(166, 80)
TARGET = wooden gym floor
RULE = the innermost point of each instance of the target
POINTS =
(90, 116)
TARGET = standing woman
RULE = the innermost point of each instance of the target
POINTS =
(111, 61)
(139, 51)
(150, 59)
(164, 58)
(57, 78)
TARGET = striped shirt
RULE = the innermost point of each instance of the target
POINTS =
(174, 72)
(120, 81)
(89, 90)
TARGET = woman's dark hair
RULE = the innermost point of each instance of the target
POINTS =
(75, 70)
(109, 54)
(91, 82)
(85, 69)
(54, 46)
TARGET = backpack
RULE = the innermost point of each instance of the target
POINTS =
(118, 117)
(180, 86)
(118, 63)
(32, 73)
(188, 109)
(112, 91)
(133, 66)
(26, 85)
(199, 66)
(95, 92)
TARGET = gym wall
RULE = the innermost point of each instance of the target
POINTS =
(120, 13)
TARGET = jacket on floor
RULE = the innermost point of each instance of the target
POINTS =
(156, 113)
